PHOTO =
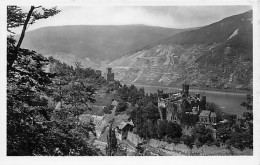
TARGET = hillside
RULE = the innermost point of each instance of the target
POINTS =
(93, 45)
(218, 55)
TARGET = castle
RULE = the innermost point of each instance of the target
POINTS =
(109, 76)
(174, 106)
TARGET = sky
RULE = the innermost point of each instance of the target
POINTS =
(163, 16)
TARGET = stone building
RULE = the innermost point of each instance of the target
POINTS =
(207, 118)
(109, 76)
(172, 106)
(122, 130)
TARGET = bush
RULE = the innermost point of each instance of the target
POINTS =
(173, 130)
(188, 141)
(121, 107)
(202, 135)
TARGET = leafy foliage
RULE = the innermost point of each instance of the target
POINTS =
(162, 125)
(202, 135)
(173, 130)
(188, 141)
(249, 104)
(242, 137)
(112, 147)
(223, 134)
(121, 107)
(33, 126)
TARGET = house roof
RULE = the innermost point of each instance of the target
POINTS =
(103, 136)
(205, 113)
(123, 124)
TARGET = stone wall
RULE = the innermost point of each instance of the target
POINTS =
(202, 151)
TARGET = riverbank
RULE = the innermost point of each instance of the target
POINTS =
(201, 90)
(228, 101)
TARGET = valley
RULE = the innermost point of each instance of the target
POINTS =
(93, 45)
(215, 56)
(130, 89)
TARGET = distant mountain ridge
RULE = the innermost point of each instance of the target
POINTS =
(217, 55)
(90, 44)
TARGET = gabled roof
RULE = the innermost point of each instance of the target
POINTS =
(205, 113)
(123, 124)
(103, 137)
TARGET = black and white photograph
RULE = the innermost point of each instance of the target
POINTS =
(132, 79)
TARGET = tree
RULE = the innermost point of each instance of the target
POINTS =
(202, 135)
(124, 93)
(242, 136)
(249, 104)
(241, 140)
(16, 18)
(223, 134)
(121, 107)
(152, 128)
(162, 125)
(141, 92)
(133, 95)
(27, 84)
(150, 112)
(111, 147)
(34, 127)
(173, 130)
(188, 141)
(188, 119)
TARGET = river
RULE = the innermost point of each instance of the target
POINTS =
(228, 101)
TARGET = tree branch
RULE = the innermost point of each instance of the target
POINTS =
(15, 55)
(24, 27)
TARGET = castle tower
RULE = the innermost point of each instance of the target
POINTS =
(109, 75)
(160, 93)
(203, 103)
(109, 70)
(185, 89)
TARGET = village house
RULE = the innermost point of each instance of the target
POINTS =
(207, 118)
(122, 130)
